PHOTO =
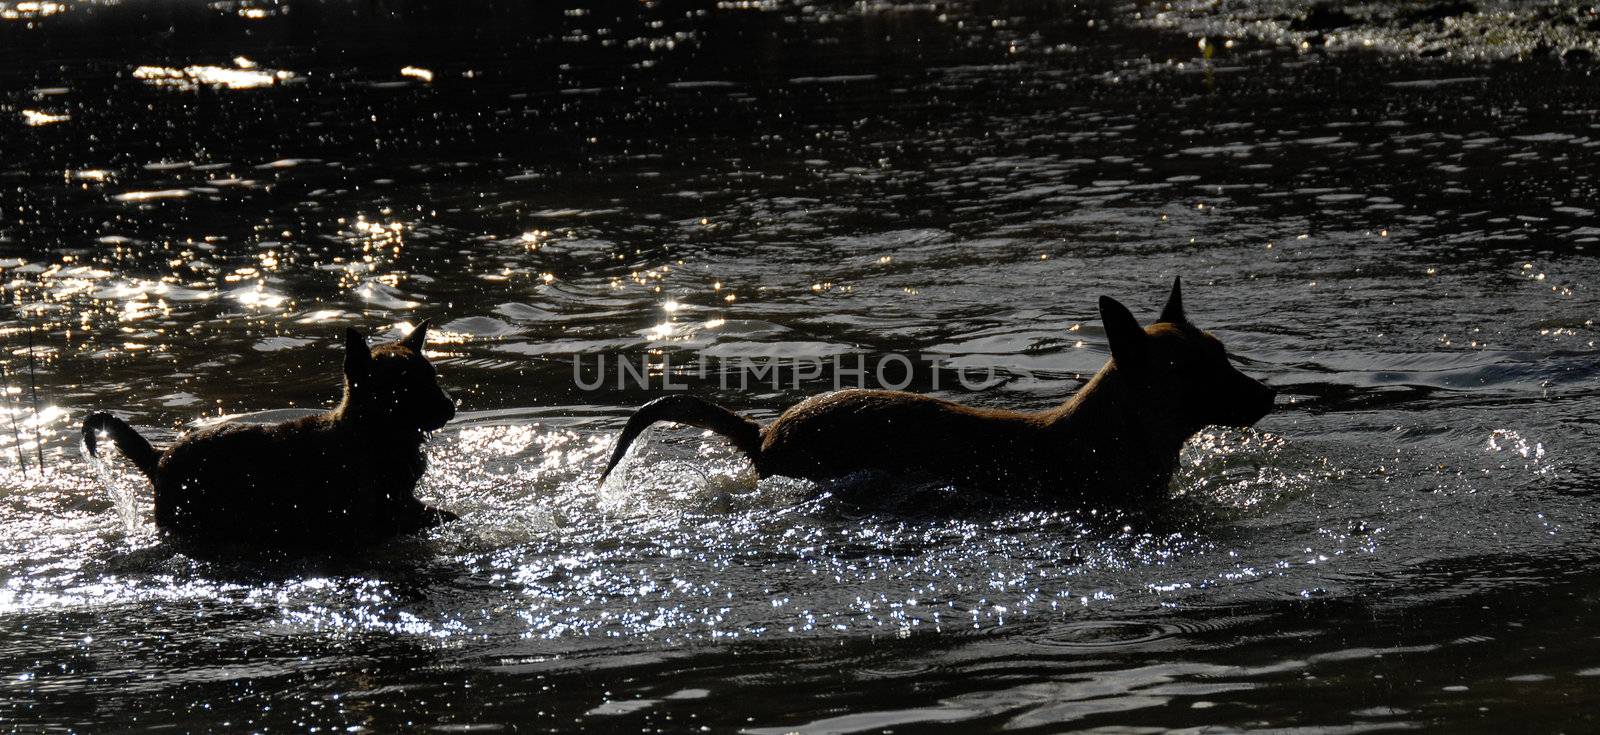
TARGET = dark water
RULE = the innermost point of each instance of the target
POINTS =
(194, 200)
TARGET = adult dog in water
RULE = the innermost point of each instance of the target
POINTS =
(340, 478)
(1117, 438)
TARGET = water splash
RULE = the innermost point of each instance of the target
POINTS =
(122, 493)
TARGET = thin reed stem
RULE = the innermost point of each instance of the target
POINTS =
(11, 410)
(33, 388)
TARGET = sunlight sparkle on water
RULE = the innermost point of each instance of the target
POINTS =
(37, 118)
(30, 9)
(244, 75)
(259, 297)
(417, 72)
(144, 196)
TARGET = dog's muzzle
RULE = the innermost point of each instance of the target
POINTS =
(1269, 398)
(1248, 403)
(444, 411)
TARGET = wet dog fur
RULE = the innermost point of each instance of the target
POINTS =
(1117, 438)
(341, 478)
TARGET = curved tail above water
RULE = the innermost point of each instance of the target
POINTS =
(133, 446)
(697, 412)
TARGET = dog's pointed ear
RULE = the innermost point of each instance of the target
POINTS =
(414, 340)
(1172, 313)
(1123, 331)
(357, 355)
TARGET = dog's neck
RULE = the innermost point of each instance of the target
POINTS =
(1103, 437)
(363, 420)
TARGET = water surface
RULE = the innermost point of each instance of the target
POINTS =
(197, 200)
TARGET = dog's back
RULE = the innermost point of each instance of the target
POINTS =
(307, 482)
(835, 434)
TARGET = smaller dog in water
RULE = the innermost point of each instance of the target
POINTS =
(340, 478)
(1117, 439)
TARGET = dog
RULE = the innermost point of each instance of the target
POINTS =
(1117, 438)
(344, 477)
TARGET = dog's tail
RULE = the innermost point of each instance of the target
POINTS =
(697, 412)
(133, 446)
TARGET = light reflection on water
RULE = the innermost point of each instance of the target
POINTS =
(28, 10)
(243, 75)
(1402, 250)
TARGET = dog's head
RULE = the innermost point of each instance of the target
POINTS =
(1180, 374)
(394, 383)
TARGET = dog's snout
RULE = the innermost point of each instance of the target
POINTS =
(1267, 397)
(1245, 400)
(448, 403)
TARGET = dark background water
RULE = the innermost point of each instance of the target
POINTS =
(1387, 216)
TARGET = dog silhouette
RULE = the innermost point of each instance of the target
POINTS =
(339, 478)
(1119, 435)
